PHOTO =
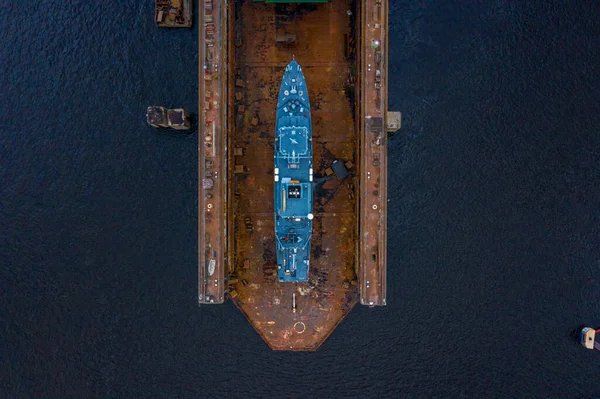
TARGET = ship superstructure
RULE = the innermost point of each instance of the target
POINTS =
(293, 176)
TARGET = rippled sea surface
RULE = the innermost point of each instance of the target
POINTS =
(494, 184)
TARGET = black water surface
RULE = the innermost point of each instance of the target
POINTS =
(494, 252)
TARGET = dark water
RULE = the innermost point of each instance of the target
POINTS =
(494, 253)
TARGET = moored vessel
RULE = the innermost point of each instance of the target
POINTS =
(176, 118)
(588, 336)
(173, 13)
(293, 176)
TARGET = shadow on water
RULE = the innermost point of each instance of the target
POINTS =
(574, 334)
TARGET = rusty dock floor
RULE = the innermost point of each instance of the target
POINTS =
(236, 220)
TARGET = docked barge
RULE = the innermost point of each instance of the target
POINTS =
(173, 13)
(244, 49)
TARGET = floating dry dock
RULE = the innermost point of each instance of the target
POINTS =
(244, 47)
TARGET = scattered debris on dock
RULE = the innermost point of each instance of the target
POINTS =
(339, 168)
(286, 39)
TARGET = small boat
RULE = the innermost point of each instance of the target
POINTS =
(587, 338)
(177, 118)
(173, 13)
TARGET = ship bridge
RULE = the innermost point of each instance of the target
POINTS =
(293, 143)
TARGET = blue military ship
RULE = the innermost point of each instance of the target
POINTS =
(293, 177)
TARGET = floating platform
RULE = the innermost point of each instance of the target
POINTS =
(243, 59)
(173, 13)
(159, 116)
